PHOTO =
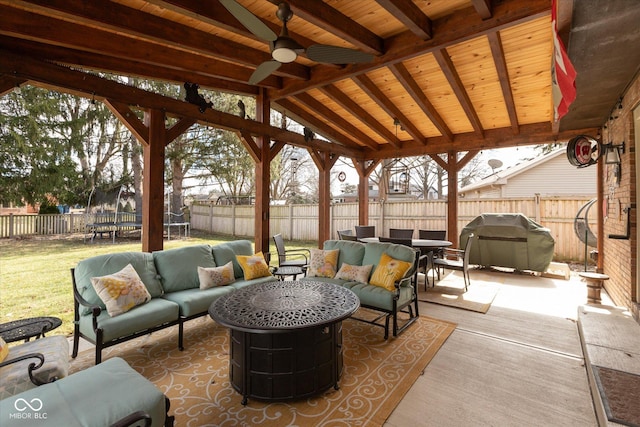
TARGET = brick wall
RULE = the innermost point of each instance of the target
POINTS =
(620, 257)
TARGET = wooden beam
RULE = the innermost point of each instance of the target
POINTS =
(411, 16)
(449, 70)
(77, 82)
(333, 21)
(254, 150)
(483, 7)
(94, 61)
(503, 75)
(17, 22)
(411, 86)
(332, 117)
(324, 162)
(314, 123)
(153, 183)
(364, 169)
(452, 197)
(390, 108)
(129, 118)
(135, 23)
(352, 107)
(179, 128)
(9, 84)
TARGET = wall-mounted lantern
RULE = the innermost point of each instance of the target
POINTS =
(612, 153)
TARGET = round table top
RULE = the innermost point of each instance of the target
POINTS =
(28, 328)
(284, 306)
(416, 243)
(593, 275)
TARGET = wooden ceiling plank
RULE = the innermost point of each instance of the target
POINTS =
(449, 70)
(61, 78)
(392, 110)
(17, 22)
(9, 84)
(503, 74)
(332, 117)
(331, 20)
(483, 7)
(123, 67)
(410, 15)
(314, 123)
(411, 86)
(447, 31)
(360, 113)
(136, 23)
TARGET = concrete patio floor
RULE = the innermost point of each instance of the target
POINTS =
(520, 364)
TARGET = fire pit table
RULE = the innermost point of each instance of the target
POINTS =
(286, 337)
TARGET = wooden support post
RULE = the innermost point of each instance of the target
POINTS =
(452, 198)
(153, 183)
(263, 177)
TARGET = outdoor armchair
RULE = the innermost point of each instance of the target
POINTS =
(300, 256)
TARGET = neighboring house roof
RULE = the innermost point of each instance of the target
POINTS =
(549, 174)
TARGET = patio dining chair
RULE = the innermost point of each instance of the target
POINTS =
(290, 257)
(433, 235)
(403, 233)
(455, 259)
(365, 231)
(346, 235)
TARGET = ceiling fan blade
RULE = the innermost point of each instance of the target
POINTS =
(337, 55)
(263, 71)
(249, 20)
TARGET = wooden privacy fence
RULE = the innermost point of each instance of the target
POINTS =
(300, 222)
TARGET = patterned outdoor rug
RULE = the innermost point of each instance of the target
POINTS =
(450, 291)
(620, 392)
(376, 375)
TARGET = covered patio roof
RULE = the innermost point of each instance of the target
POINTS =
(445, 76)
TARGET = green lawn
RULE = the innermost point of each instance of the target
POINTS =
(35, 278)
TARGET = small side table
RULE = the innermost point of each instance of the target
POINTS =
(594, 285)
(282, 272)
(25, 329)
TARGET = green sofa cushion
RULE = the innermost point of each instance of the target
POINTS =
(239, 284)
(178, 268)
(145, 316)
(225, 252)
(373, 252)
(350, 252)
(103, 265)
(96, 397)
(196, 301)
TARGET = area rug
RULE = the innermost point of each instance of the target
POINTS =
(449, 291)
(376, 375)
(620, 392)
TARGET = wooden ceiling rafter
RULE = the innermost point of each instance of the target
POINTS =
(483, 7)
(411, 16)
(139, 24)
(333, 21)
(497, 52)
(447, 31)
(449, 70)
(314, 123)
(417, 94)
(38, 27)
(356, 110)
(400, 119)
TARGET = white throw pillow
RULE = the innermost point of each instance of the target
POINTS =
(216, 276)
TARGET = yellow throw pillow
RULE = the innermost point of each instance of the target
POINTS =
(253, 266)
(216, 276)
(4, 350)
(121, 291)
(323, 263)
(356, 273)
(388, 272)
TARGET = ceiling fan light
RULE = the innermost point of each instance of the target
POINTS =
(285, 50)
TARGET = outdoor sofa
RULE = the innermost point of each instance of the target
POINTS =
(401, 297)
(173, 285)
(109, 394)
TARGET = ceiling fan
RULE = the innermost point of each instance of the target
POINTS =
(284, 49)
